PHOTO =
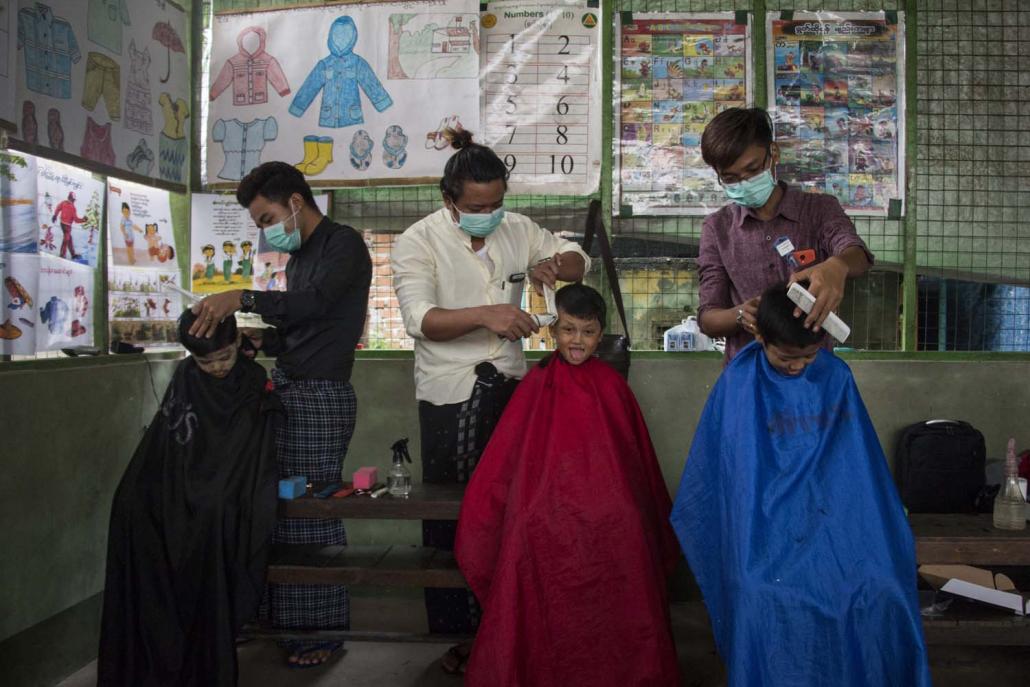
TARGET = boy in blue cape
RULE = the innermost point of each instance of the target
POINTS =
(791, 523)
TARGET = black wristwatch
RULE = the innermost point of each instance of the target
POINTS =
(247, 301)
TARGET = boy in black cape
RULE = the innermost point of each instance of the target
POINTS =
(191, 523)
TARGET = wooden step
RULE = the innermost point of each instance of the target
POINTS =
(967, 539)
(388, 566)
(426, 502)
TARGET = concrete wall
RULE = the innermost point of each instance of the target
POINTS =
(69, 428)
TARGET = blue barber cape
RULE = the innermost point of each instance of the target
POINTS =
(790, 521)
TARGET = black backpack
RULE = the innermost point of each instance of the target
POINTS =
(939, 466)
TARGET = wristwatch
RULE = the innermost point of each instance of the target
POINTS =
(247, 301)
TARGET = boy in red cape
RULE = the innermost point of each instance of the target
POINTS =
(563, 534)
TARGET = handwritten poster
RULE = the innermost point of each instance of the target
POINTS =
(541, 83)
(227, 251)
(676, 72)
(838, 82)
(349, 93)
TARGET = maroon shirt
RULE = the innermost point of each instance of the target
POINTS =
(738, 258)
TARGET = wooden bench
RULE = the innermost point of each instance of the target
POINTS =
(940, 539)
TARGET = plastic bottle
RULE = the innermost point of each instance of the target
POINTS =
(399, 480)
(1009, 504)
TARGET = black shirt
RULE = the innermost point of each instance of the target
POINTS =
(321, 315)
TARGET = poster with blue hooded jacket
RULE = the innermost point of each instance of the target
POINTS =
(793, 528)
(360, 93)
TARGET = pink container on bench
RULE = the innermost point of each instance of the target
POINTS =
(365, 478)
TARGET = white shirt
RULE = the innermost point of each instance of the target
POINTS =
(434, 266)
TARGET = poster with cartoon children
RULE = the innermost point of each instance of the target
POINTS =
(227, 251)
(69, 208)
(140, 226)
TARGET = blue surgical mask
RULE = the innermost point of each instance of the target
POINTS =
(279, 239)
(480, 225)
(753, 192)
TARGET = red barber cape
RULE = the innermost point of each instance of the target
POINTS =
(564, 537)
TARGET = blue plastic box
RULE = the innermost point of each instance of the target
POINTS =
(292, 487)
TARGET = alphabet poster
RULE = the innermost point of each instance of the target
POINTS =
(676, 72)
(541, 82)
(106, 81)
(227, 251)
(142, 258)
(838, 81)
(349, 93)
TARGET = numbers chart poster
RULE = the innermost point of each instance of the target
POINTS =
(838, 81)
(228, 251)
(142, 259)
(350, 93)
(677, 71)
(541, 86)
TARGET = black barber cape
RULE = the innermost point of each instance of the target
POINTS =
(191, 528)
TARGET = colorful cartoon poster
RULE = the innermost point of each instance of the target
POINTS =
(227, 251)
(63, 305)
(350, 93)
(106, 81)
(676, 72)
(139, 223)
(142, 312)
(838, 82)
(69, 212)
(19, 232)
(8, 42)
(19, 313)
(541, 88)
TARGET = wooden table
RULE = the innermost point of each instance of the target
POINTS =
(426, 502)
(969, 540)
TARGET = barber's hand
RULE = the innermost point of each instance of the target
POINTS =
(826, 283)
(212, 310)
(750, 321)
(256, 337)
(545, 272)
(508, 322)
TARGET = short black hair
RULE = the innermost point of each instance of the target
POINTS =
(276, 181)
(472, 162)
(732, 132)
(125, 206)
(580, 300)
(776, 321)
(225, 335)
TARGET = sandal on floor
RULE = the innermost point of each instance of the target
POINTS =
(453, 662)
(302, 651)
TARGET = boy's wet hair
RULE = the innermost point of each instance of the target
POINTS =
(579, 300)
(225, 335)
(776, 321)
(731, 133)
(276, 181)
(472, 162)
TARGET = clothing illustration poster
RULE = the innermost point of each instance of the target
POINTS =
(69, 212)
(92, 77)
(141, 309)
(64, 307)
(142, 257)
(541, 87)
(140, 227)
(228, 251)
(19, 231)
(677, 71)
(838, 82)
(19, 303)
(349, 93)
(8, 46)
